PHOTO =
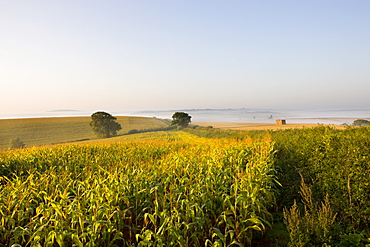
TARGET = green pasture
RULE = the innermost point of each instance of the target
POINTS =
(48, 131)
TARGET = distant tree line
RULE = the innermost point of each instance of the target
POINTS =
(361, 122)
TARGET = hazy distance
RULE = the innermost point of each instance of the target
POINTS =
(130, 56)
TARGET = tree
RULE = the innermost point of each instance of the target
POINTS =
(361, 122)
(181, 119)
(104, 124)
(16, 143)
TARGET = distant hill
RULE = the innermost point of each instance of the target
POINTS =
(48, 131)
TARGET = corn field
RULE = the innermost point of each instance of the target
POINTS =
(178, 190)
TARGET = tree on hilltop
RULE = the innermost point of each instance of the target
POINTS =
(181, 119)
(104, 124)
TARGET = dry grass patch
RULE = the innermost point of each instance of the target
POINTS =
(259, 126)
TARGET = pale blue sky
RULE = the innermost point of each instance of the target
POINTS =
(153, 55)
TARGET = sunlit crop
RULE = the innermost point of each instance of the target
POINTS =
(174, 191)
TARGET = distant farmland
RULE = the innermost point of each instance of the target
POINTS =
(48, 131)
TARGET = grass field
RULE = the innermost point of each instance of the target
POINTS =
(138, 137)
(47, 131)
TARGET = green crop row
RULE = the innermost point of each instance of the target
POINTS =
(334, 165)
(324, 172)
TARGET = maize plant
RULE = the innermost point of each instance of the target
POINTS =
(178, 190)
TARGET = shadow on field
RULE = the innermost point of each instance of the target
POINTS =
(135, 131)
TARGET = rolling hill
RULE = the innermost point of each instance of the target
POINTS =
(48, 131)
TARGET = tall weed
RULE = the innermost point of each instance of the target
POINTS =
(314, 225)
